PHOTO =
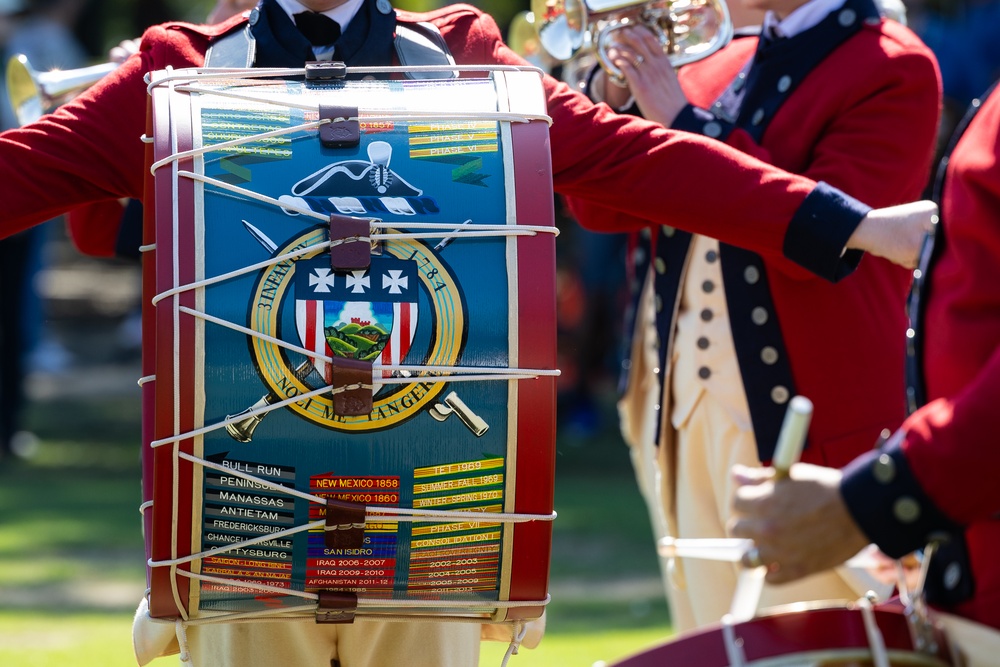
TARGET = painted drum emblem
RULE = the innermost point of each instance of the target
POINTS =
(406, 309)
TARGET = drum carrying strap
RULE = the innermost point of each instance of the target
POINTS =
(417, 44)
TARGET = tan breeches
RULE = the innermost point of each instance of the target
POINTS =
(700, 591)
(361, 644)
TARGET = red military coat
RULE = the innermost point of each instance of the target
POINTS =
(90, 151)
(864, 119)
(942, 474)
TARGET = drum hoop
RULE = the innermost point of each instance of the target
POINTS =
(282, 72)
(831, 657)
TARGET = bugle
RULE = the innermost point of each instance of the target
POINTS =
(34, 93)
(688, 30)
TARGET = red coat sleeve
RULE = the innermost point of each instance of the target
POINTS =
(877, 128)
(89, 150)
(644, 170)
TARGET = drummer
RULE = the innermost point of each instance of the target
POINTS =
(935, 480)
(90, 151)
(829, 90)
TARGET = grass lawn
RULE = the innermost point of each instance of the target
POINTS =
(46, 639)
(71, 557)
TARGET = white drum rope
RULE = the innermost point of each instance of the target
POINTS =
(520, 630)
(876, 641)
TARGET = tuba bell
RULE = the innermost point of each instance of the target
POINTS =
(688, 30)
(34, 93)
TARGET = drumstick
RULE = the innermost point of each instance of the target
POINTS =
(731, 550)
(791, 439)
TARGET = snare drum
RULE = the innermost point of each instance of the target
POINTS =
(796, 635)
(350, 347)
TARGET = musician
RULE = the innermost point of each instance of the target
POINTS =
(89, 151)
(725, 335)
(934, 480)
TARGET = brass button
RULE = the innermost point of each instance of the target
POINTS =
(751, 274)
(769, 355)
(784, 83)
(952, 576)
(779, 395)
(668, 231)
(659, 303)
(645, 233)
(660, 265)
(759, 315)
(906, 509)
(847, 17)
(884, 469)
(712, 129)
(758, 117)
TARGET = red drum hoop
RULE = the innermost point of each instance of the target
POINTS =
(267, 489)
(787, 636)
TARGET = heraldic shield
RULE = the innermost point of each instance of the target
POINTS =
(370, 315)
(349, 352)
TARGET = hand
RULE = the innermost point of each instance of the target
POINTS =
(649, 74)
(223, 9)
(119, 54)
(896, 233)
(799, 524)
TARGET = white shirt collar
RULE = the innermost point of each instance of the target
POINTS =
(342, 14)
(800, 20)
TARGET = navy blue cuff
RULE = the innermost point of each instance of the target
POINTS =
(889, 506)
(819, 231)
(699, 121)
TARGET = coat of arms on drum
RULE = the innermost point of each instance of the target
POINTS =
(407, 308)
(367, 315)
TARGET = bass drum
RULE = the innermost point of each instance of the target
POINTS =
(420, 485)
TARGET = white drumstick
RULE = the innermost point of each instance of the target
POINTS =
(731, 550)
(791, 440)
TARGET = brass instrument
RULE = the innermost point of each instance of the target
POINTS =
(688, 30)
(34, 93)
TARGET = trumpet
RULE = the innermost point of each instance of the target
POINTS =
(688, 30)
(34, 93)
